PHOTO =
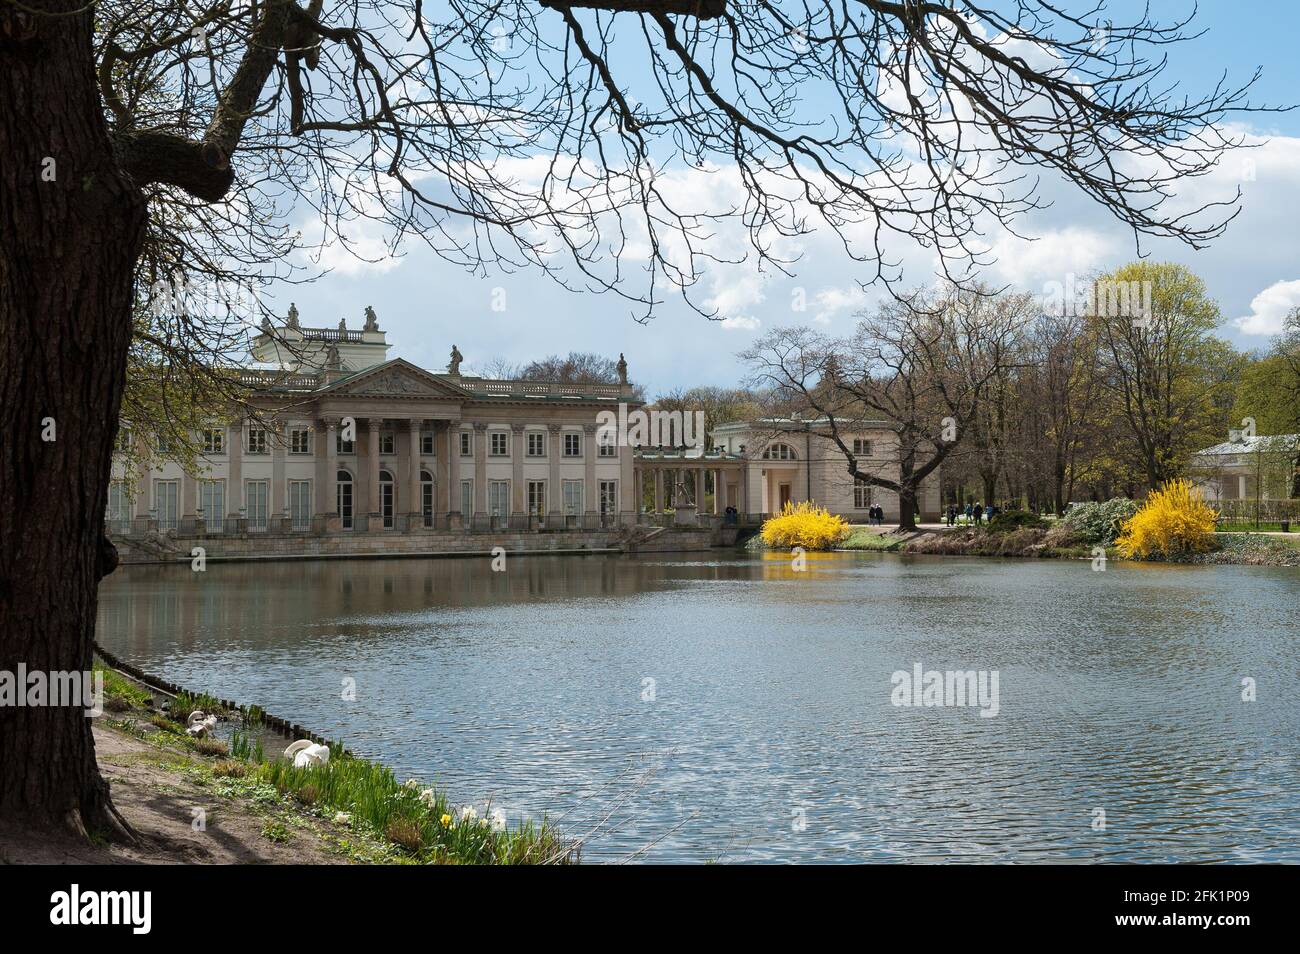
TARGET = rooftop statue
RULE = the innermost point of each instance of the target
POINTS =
(372, 323)
(293, 316)
(622, 369)
(456, 359)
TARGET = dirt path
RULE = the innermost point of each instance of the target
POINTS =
(160, 791)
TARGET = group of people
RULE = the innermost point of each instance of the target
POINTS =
(976, 513)
(875, 516)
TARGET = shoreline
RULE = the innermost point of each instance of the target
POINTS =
(218, 799)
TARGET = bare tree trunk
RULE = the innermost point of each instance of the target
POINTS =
(907, 493)
(70, 230)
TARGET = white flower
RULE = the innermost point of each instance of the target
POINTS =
(498, 820)
(428, 797)
(468, 814)
(411, 783)
(342, 818)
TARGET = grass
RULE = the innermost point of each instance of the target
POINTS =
(406, 822)
(1249, 526)
(120, 689)
(422, 821)
(864, 538)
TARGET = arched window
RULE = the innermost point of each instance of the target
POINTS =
(426, 497)
(344, 498)
(387, 498)
(780, 452)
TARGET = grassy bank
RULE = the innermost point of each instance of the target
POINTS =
(1056, 542)
(368, 814)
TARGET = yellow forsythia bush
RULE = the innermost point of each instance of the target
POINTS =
(1173, 521)
(805, 525)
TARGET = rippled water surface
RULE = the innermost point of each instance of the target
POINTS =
(768, 731)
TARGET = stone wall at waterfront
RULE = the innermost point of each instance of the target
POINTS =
(171, 548)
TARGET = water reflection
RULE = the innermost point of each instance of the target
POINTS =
(766, 730)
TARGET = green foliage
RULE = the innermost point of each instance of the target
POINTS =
(1011, 520)
(117, 686)
(1099, 523)
(422, 821)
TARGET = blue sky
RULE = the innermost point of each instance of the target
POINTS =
(426, 305)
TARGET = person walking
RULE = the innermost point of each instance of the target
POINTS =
(970, 513)
(979, 513)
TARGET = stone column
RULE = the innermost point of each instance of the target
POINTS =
(235, 469)
(717, 491)
(279, 502)
(442, 473)
(480, 467)
(638, 489)
(517, 499)
(415, 505)
(699, 490)
(373, 469)
(554, 448)
(329, 486)
(590, 489)
(453, 476)
(659, 489)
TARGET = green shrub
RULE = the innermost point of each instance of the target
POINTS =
(1010, 520)
(1100, 523)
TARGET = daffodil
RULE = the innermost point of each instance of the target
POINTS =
(446, 821)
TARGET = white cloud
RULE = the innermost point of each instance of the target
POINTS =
(1075, 250)
(741, 323)
(1269, 308)
(831, 301)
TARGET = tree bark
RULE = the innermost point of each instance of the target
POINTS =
(71, 225)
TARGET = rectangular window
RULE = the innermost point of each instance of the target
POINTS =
(387, 443)
(214, 440)
(572, 445)
(537, 497)
(300, 504)
(466, 498)
(608, 496)
(300, 440)
(572, 497)
(426, 502)
(466, 443)
(606, 445)
(426, 444)
(536, 443)
(123, 443)
(256, 441)
(166, 503)
(498, 445)
(861, 447)
(212, 498)
(256, 497)
(119, 506)
(498, 497)
(164, 444)
(861, 494)
(344, 447)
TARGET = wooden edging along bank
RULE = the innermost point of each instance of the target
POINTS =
(286, 728)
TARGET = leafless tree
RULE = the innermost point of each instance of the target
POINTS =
(921, 365)
(160, 141)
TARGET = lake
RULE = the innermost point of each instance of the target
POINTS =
(725, 706)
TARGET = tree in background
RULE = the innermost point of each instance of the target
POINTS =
(923, 365)
(1165, 372)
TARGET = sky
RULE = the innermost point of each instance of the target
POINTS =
(426, 305)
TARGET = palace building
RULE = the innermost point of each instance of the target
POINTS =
(350, 440)
(346, 440)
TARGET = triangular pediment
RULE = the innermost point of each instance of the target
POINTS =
(398, 379)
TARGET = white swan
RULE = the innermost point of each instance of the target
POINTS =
(200, 725)
(305, 753)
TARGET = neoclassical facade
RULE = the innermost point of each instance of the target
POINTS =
(348, 440)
